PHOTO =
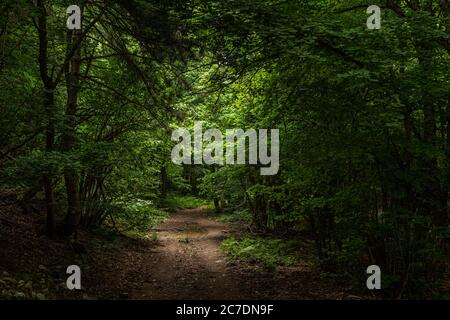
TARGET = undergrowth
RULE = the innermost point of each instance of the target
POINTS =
(135, 218)
(175, 202)
(240, 217)
(269, 252)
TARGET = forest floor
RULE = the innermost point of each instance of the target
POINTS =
(183, 262)
(188, 264)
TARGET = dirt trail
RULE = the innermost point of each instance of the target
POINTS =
(188, 263)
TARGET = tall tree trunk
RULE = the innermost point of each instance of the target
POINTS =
(48, 184)
(71, 176)
(49, 111)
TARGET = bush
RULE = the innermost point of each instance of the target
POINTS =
(136, 217)
(240, 217)
(174, 202)
(270, 252)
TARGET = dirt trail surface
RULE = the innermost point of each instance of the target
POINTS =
(189, 265)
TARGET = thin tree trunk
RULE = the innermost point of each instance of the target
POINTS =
(71, 177)
(164, 181)
(49, 110)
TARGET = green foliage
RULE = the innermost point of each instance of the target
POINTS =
(136, 217)
(363, 118)
(29, 168)
(175, 202)
(270, 252)
(236, 217)
(364, 150)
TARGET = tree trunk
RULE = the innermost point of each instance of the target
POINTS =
(434, 201)
(222, 201)
(49, 110)
(71, 176)
(164, 181)
(216, 205)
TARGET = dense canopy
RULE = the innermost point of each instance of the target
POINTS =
(363, 115)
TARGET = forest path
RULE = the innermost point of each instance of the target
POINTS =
(187, 261)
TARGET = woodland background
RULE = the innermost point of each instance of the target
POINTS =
(364, 120)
